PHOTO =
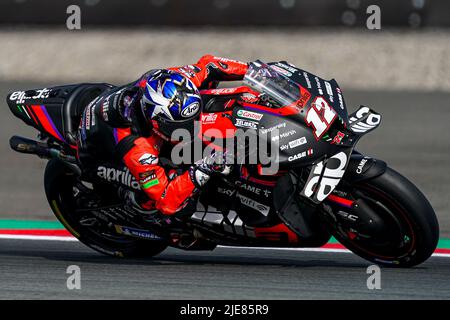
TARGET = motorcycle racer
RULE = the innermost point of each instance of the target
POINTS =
(133, 122)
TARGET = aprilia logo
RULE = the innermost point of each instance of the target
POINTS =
(365, 120)
(330, 179)
(120, 176)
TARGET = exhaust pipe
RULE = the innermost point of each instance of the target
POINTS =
(25, 145)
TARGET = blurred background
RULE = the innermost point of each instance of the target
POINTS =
(400, 69)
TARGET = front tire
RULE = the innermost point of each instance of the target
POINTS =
(60, 182)
(412, 229)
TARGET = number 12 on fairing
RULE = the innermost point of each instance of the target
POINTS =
(320, 116)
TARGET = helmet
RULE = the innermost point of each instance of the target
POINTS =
(170, 101)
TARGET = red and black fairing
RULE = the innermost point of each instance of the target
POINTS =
(55, 111)
(244, 211)
(41, 109)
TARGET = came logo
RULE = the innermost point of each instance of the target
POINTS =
(120, 176)
(360, 167)
(249, 115)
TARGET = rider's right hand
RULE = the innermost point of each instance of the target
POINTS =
(218, 163)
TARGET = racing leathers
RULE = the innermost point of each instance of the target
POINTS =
(113, 128)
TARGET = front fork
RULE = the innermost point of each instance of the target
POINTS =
(349, 211)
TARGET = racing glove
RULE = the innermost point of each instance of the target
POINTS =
(218, 163)
(128, 100)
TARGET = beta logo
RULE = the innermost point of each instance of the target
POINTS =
(249, 115)
(190, 110)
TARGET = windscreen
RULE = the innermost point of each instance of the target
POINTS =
(261, 77)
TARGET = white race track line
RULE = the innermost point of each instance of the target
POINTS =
(30, 237)
(73, 239)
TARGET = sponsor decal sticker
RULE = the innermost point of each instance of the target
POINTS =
(227, 192)
(300, 155)
(139, 233)
(284, 135)
(190, 110)
(286, 67)
(297, 142)
(249, 115)
(281, 70)
(246, 124)
(338, 138)
(254, 205)
(115, 175)
(148, 159)
(20, 96)
(209, 118)
(270, 129)
(308, 82)
(256, 190)
(361, 165)
(146, 176)
(329, 91)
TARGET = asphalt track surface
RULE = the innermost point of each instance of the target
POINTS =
(414, 139)
(37, 270)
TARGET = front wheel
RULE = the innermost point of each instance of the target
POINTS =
(410, 231)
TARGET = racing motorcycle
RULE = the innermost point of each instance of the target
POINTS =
(324, 187)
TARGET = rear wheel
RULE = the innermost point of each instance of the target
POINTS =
(73, 202)
(410, 228)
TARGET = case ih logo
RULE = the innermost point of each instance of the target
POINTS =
(249, 115)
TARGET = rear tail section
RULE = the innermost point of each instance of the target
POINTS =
(40, 108)
(55, 111)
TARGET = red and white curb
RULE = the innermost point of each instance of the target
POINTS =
(64, 235)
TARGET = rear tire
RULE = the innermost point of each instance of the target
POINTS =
(411, 209)
(59, 181)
